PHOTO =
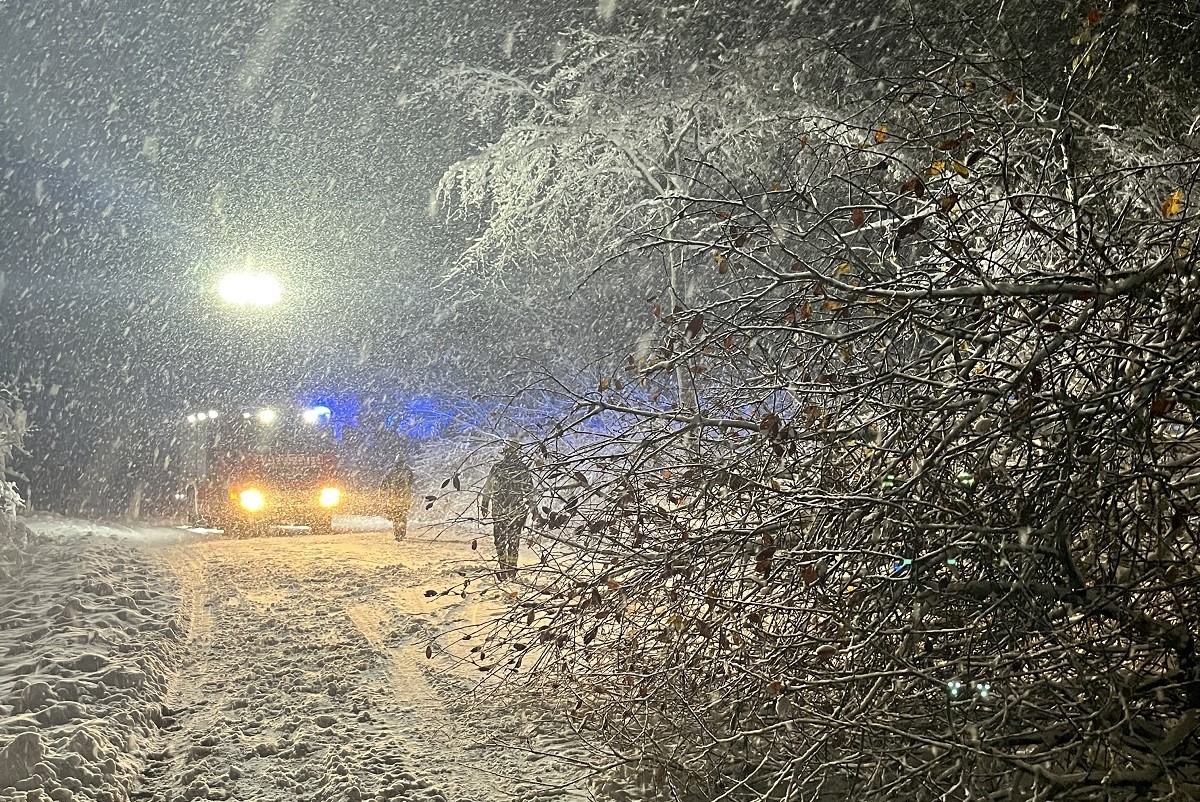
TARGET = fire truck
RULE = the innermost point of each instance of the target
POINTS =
(258, 467)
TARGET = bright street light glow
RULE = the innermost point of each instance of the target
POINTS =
(266, 415)
(191, 418)
(212, 413)
(250, 289)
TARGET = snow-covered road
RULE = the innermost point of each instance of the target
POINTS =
(296, 669)
(305, 677)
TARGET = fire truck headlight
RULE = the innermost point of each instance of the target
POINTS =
(330, 496)
(252, 500)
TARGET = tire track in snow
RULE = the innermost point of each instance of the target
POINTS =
(305, 678)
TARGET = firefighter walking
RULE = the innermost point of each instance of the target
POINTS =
(505, 498)
(397, 496)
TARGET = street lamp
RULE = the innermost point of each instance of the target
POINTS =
(249, 289)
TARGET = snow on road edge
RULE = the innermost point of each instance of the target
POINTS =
(89, 633)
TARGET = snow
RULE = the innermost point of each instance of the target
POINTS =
(48, 524)
(59, 527)
(361, 523)
(89, 633)
(151, 662)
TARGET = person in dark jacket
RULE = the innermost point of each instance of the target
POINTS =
(506, 495)
(397, 496)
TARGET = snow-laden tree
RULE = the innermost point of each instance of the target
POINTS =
(13, 536)
(587, 149)
(12, 431)
(622, 118)
(928, 526)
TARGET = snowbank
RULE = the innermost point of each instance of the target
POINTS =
(59, 527)
(88, 633)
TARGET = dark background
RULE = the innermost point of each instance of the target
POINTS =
(147, 148)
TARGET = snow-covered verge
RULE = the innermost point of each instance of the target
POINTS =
(88, 635)
(57, 526)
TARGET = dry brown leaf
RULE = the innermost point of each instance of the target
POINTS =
(914, 185)
(1173, 204)
(1162, 406)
